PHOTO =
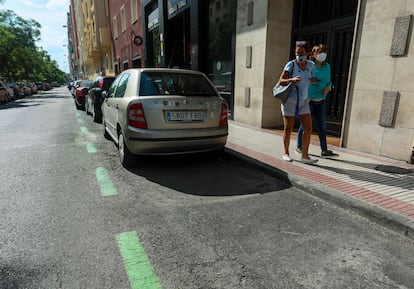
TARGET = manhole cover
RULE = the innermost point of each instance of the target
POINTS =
(393, 170)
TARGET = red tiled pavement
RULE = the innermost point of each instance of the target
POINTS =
(386, 202)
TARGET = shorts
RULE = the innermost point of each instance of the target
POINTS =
(289, 107)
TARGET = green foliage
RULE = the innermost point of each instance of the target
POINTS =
(20, 59)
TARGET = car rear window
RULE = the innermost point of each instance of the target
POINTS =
(167, 83)
(85, 83)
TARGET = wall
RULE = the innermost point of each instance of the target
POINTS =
(269, 38)
(375, 71)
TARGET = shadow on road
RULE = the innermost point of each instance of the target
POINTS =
(211, 174)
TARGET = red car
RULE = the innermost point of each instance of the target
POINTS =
(80, 93)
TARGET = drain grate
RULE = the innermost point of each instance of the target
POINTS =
(393, 170)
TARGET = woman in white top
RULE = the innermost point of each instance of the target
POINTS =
(298, 72)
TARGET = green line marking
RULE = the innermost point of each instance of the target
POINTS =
(91, 148)
(139, 269)
(84, 129)
(105, 183)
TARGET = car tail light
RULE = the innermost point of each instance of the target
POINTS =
(136, 117)
(223, 114)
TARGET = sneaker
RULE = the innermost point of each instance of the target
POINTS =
(298, 151)
(286, 158)
(308, 161)
(329, 153)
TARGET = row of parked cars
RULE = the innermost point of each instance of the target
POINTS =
(10, 91)
(156, 111)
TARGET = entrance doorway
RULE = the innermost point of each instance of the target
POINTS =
(178, 41)
(330, 22)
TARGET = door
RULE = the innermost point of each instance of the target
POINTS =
(330, 22)
(111, 104)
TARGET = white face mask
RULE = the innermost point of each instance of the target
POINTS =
(300, 58)
(321, 57)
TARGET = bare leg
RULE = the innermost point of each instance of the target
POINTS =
(288, 122)
(306, 121)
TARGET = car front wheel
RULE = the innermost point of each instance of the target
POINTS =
(125, 156)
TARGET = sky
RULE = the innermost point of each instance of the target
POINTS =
(52, 15)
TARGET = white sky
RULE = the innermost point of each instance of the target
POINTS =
(52, 15)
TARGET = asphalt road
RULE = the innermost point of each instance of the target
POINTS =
(73, 217)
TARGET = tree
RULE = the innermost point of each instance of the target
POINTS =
(19, 56)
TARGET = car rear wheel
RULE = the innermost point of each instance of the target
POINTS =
(125, 156)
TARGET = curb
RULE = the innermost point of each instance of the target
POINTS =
(386, 218)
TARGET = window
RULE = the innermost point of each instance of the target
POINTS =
(111, 90)
(156, 83)
(134, 11)
(123, 19)
(120, 91)
(115, 26)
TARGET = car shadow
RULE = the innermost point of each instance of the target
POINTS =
(18, 104)
(210, 174)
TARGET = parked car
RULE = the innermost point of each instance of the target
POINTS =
(47, 86)
(4, 94)
(94, 99)
(10, 91)
(74, 86)
(25, 88)
(18, 92)
(39, 85)
(33, 88)
(80, 92)
(163, 111)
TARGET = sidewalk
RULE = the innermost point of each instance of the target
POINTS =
(378, 187)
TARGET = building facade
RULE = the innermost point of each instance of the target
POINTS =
(371, 105)
(93, 38)
(126, 34)
(243, 46)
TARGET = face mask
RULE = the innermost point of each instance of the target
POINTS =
(321, 57)
(300, 58)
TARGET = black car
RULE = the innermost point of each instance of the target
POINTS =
(94, 99)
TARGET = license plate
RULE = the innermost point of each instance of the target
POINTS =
(185, 116)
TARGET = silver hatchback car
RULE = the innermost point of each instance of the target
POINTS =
(156, 111)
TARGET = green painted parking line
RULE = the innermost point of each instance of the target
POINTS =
(84, 130)
(105, 183)
(139, 269)
(91, 148)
